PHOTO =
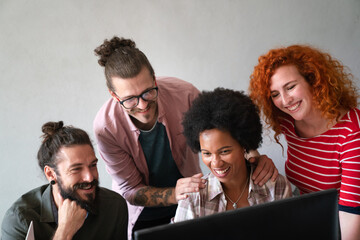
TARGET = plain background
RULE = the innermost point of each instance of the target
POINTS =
(50, 73)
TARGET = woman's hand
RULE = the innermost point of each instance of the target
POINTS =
(265, 169)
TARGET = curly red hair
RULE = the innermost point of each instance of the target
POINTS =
(331, 84)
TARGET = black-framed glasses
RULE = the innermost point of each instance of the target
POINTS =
(148, 95)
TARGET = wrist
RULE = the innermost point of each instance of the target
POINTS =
(63, 233)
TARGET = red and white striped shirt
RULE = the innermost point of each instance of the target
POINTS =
(329, 160)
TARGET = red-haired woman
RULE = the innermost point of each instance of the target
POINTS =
(309, 96)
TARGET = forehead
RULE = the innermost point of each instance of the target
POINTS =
(135, 85)
(287, 72)
(77, 154)
(216, 138)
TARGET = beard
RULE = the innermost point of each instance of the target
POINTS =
(90, 204)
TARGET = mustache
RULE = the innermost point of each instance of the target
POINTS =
(86, 185)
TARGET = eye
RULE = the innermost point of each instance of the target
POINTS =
(130, 100)
(225, 152)
(206, 154)
(149, 94)
(291, 87)
(274, 95)
(75, 170)
(93, 165)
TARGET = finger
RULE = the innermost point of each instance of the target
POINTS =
(258, 173)
(181, 197)
(198, 175)
(263, 180)
(194, 179)
(187, 185)
(252, 160)
(275, 175)
(266, 174)
(60, 199)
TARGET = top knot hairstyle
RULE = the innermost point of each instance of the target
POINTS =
(55, 136)
(226, 110)
(121, 58)
(331, 83)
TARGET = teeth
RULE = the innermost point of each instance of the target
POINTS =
(293, 107)
(222, 171)
(86, 186)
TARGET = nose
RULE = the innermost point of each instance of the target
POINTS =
(286, 99)
(142, 103)
(88, 175)
(216, 161)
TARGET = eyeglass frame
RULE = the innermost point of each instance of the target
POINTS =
(138, 97)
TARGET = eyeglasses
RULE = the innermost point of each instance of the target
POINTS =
(148, 95)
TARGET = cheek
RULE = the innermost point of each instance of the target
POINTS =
(206, 161)
(277, 102)
(95, 173)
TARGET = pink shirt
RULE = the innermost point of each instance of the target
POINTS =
(117, 139)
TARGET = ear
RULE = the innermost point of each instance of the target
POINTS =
(113, 95)
(50, 173)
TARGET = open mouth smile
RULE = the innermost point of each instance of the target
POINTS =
(221, 172)
(293, 107)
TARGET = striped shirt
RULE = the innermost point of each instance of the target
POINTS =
(329, 160)
(211, 199)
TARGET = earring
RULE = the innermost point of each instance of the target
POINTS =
(52, 182)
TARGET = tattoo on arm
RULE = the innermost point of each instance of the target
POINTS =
(153, 197)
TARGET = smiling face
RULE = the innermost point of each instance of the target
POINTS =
(77, 174)
(291, 93)
(224, 156)
(144, 115)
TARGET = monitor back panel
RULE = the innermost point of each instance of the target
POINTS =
(309, 216)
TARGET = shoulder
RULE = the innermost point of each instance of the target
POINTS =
(281, 188)
(108, 198)
(30, 200)
(109, 119)
(107, 194)
(351, 120)
(23, 211)
(175, 86)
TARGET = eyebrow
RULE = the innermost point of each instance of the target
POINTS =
(222, 148)
(131, 96)
(80, 164)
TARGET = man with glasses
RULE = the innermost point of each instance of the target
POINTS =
(139, 136)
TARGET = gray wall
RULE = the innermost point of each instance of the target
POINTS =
(49, 72)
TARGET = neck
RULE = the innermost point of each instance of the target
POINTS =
(315, 125)
(234, 190)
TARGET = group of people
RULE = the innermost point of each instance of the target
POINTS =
(152, 129)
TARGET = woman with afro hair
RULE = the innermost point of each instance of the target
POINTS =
(309, 96)
(223, 125)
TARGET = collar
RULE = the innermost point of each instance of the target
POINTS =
(46, 214)
(214, 187)
(263, 190)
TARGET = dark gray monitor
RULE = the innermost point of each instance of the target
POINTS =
(309, 216)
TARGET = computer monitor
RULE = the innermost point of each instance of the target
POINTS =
(309, 216)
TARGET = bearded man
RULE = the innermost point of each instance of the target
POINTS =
(72, 206)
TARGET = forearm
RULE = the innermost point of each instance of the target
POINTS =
(350, 225)
(148, 196)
